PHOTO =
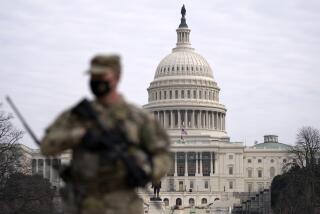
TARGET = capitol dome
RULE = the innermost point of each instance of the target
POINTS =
(184, 96)
(183, 62)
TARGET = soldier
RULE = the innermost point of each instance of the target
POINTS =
(156, 190)
(115, 146)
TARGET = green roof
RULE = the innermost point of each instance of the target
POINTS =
(271, 145)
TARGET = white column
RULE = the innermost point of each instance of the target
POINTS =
(175, 164)
(179, 119)
(211, 163)
(171, 119)
(198, 119)
(192, 119)
(51, 170)
(222, 119)
(197, 165)
(186, 118)
(44, 168)
(186, 165)
(37, 166)
(207, 119)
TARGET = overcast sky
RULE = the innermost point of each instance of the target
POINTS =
(265, 56)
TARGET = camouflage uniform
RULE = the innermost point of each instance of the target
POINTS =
(106, 189)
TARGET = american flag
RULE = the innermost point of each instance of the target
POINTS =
(183, 132)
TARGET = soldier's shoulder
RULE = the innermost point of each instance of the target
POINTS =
(138, 111)
(69, 112)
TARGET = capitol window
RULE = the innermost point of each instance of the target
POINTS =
(230, 170)
(249, 173)
(249, 161)
(40, 167)
(206, 164)
(259, 160)
(34, 166)
(191, 184)
(206, 184)
(230, 185)
(259, 173)
(170, 94)
(194, 94)
(182, 94)
(271, 160)
(180, 163)
(204, 201)
(172, 164)
(165, 94)
(230, 157)
(250, 187)
(192, 161)
(166, 202)
(189, 94)
(176, 94)
(191, 202)
(200, 94)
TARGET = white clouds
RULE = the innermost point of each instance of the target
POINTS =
(264, 55)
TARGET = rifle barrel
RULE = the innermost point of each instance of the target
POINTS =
(23, 121)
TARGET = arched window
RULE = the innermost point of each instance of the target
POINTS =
(191, 202)
(272, 172)
(178, 202)
(166, 202)
(204, 201)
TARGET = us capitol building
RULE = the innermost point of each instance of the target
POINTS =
(206, 165)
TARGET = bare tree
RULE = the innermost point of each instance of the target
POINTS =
(10, 151)
(298, 189)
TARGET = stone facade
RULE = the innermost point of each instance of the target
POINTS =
(206, 166)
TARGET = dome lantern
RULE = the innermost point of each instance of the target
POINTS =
(183, 33)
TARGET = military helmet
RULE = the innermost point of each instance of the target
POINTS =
(103, 63)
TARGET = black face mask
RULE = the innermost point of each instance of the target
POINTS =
(100, 88)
